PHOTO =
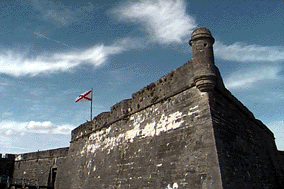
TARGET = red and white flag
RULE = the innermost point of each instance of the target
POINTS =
(86, 96)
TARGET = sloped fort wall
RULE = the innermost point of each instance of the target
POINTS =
(183, 131)
(160, 144)
(248, 157)
(38, 168)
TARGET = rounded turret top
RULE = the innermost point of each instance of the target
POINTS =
(200, 32)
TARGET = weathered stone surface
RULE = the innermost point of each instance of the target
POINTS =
(171, 84)
(36, 167)
(281, 158)
(246, 148)
(168, 142)
(205, 75)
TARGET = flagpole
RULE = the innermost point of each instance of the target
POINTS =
(91, 104)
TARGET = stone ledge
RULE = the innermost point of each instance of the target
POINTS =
(59, 152)
(169, 85)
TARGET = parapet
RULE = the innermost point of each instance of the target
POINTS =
(82, 130)
(175, 82)
(8, 156)
(120, 109)
(98, 122)
(54, 153)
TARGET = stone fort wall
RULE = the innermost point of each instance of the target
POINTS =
(248, 156)
(38, 168)
(161, 137)
(185, 130)
(6, 167)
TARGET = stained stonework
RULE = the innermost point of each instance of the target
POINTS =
(185, 130)
(166, 143)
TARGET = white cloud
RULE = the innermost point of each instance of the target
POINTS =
(246, 53)
(165, 20)
(13, 127)
(62, 129)
(19, 64)
(247, 78)
(9, 132)
(5, 142)
(39, 125)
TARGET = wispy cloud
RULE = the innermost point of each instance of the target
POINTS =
(59, 14)
(19, 63)
(248, 53)
(166, 21)
(45, 37)
(14, 127)
(54, 13)
(41, 35)
(246, 78)
(6, 114)
(3, 84)
(61, 17)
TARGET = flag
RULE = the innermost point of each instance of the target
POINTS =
(86, 96)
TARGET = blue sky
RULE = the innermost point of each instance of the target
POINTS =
(52, 51)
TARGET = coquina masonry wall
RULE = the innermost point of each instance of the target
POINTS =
(247, 152)
(39, 167)
(167, 143)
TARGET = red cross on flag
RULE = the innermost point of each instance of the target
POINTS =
(86, 96)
